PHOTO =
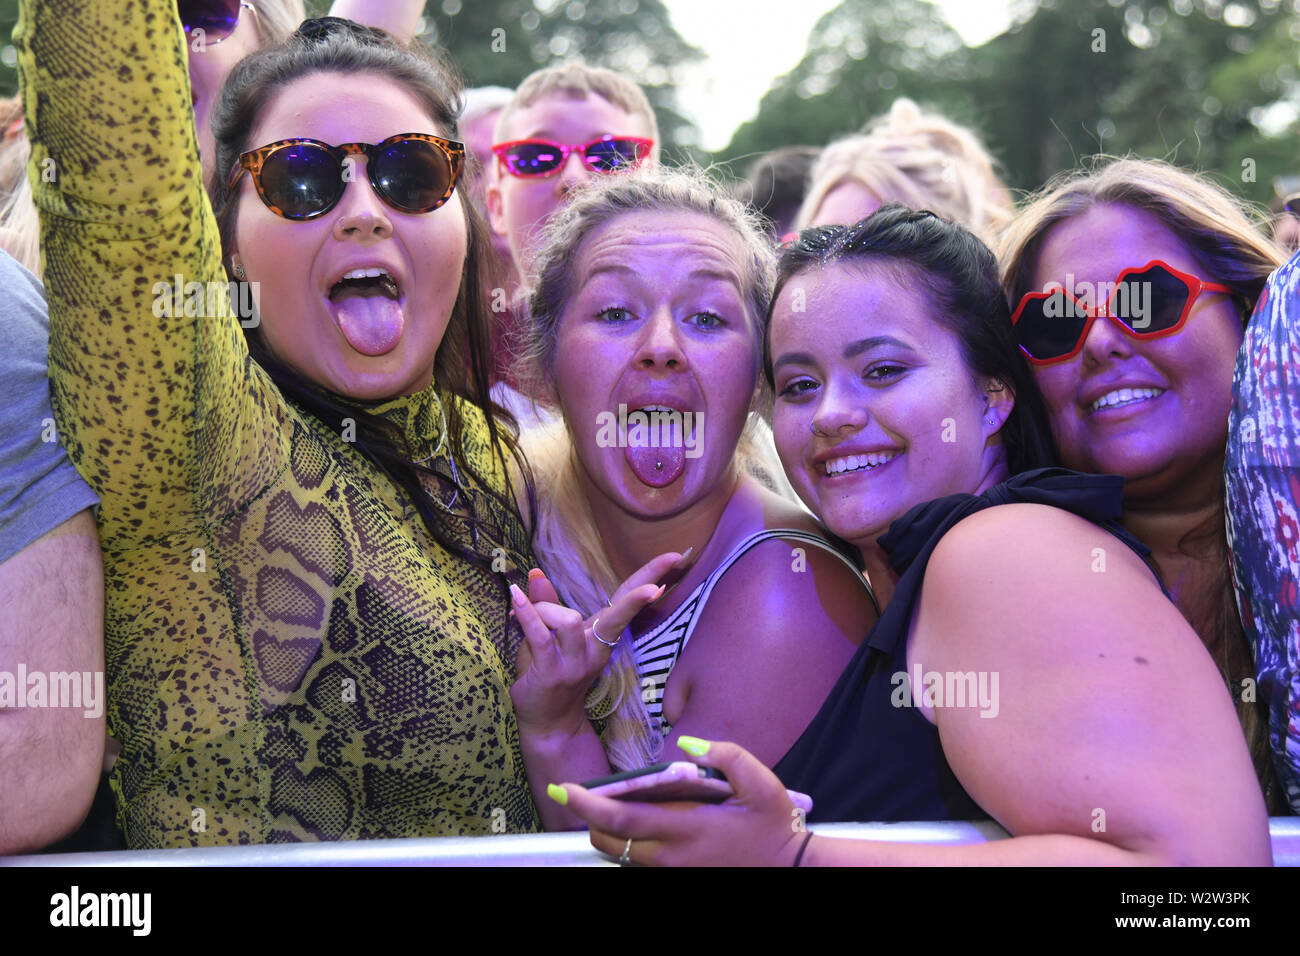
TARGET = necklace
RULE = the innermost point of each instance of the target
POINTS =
(451, 462)
(442, 439)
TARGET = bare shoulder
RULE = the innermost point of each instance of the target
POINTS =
(788, 586)
(782, 512)
(775, 635)
(1008, 547)
(1035, 580)
(1104, 695)
(776, 583)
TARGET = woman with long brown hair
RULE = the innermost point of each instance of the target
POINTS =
(308, 522)
(1130, 284)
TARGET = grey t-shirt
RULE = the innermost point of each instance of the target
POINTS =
(39, 488)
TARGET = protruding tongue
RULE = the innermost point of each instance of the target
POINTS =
(372, 324)
(656, 467)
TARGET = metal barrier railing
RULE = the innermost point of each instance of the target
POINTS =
(537, 849)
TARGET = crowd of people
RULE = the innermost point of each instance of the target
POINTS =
(406, 456)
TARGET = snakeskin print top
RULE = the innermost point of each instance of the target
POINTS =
(290, 656)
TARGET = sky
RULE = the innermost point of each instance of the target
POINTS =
(749, 43)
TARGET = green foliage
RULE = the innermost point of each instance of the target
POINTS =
(8, 56)
(1204, 83)
(861, 56)
(1185, 80)
(499, 42)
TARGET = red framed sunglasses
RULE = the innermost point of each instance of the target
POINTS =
(535, 158)
(1147, 303)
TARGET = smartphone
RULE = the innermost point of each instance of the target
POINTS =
(679, 780)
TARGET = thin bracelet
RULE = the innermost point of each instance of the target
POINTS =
(806, 841)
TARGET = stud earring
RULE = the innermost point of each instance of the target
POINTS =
(239, 272)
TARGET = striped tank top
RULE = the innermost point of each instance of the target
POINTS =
(657, 650)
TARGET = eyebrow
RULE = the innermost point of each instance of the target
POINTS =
(611, 267)
(701, 273)
(852, 350)
(544, 133)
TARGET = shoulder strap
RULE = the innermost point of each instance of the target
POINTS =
(789, 534)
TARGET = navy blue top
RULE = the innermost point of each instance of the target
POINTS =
(863, 759)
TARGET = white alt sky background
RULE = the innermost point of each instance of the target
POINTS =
(749, 43)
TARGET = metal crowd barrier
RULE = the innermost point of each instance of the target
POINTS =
(537, 849)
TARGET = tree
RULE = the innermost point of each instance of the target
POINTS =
(1185, 80)
(861, 56)
(1209, 84)
(499, 42)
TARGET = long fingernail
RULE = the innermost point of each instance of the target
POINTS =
(686, 554)
(693, 745)
(516, 595)
(557, 793)
(659, 593)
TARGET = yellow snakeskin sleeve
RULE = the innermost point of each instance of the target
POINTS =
(290, 656)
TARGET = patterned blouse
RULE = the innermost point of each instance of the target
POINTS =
(290, 655)
(1263, 503)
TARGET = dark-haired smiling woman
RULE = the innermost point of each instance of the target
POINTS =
(891, 350)
(304, 529)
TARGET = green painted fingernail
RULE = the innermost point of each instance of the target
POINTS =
(693, 745)
(557, 793)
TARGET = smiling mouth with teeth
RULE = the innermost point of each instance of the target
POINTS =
(851, 463)
(1125, 396)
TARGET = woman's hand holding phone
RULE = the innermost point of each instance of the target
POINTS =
(758, 824)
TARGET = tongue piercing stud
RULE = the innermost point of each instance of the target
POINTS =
(659, 466)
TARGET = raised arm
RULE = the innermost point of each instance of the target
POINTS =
(156, 405)
(398, 17)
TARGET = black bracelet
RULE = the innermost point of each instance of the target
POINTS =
(806, 841)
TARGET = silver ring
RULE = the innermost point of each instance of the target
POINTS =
(597, 636)
(626, 858)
